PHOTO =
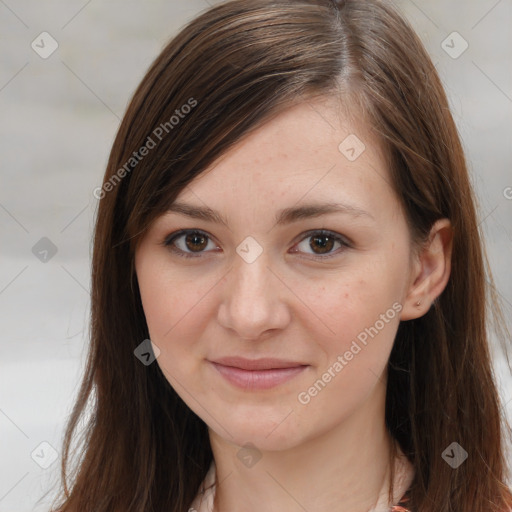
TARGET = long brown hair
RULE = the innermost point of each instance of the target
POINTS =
(226, 73)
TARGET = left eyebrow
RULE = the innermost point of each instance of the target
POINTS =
(289, 215)
(285, 216)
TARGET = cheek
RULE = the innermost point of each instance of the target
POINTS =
(174, 309)
(352, 306)
(362, 311)
(169, 298)
(174, 323)
(365, 324)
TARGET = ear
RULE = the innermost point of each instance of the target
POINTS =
(430, 271)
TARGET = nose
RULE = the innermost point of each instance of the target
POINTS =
(254, 300)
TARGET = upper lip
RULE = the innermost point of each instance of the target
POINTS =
(266, 363)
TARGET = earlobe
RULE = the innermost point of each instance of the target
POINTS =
(431, 271)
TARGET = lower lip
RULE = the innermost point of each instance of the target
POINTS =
(258, 379)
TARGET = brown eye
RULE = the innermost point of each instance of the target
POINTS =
(324, 242)
(187, 242)
(196, 242)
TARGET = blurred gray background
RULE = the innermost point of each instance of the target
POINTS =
(59, 113)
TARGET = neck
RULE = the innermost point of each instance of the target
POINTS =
(346, 468)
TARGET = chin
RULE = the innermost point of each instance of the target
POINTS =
(262, 431)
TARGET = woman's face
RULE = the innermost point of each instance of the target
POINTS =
(321, 293)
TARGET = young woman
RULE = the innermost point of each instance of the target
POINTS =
(289, 285)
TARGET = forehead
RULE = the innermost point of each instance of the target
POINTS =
(312, 151)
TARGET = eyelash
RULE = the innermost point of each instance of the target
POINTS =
(168, 242)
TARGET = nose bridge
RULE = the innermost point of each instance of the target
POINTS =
(250, 280)
(250, 300)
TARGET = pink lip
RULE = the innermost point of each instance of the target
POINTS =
(257, 373)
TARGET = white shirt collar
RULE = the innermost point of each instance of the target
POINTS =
(203, 501)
